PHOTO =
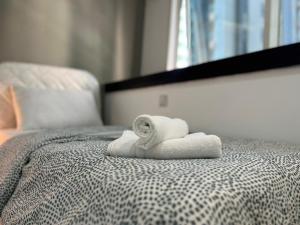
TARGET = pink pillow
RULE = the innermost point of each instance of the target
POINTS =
(7, 114)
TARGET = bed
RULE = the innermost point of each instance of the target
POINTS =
(64, 176)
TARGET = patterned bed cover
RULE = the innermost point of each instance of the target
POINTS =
(65, 177)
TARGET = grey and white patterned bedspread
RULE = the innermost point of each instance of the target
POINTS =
(65, 178)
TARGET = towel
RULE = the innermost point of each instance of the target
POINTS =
(192, 146)
(124, 146)
(153, 130)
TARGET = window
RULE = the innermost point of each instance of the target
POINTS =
(215, 29)
(290, 22)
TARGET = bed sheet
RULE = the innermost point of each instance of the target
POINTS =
(66, 177)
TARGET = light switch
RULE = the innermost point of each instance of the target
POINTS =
(163, 100)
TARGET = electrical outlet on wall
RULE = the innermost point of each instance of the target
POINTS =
(163, 100)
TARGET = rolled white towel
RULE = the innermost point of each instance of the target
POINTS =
(153, 130)
(193, 146)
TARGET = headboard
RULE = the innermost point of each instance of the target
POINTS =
(48, 77)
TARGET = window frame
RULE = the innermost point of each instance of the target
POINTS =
(273, 58)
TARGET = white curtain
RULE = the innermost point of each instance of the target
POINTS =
(219, 29)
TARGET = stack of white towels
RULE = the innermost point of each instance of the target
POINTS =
(159, 137)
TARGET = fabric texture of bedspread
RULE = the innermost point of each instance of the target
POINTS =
(65, 177)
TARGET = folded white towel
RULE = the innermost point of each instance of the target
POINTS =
(153, 130)
(192, 146)
(123, 146)
(197, 145)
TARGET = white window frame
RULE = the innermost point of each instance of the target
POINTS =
(173, 34)
(272, 23)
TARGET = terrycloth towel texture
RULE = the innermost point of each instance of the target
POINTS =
(192, 146)
(153, 130)
(124, 146)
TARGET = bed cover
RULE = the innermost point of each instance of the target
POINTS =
(65, 177)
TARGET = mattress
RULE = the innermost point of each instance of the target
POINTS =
(66, 177)
(6, 134)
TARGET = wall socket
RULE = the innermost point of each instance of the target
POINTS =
(163, 100)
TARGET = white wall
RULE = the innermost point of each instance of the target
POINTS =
(100, 36)
(156, 36)
(128, 39)
(71, 33)
(261, 105)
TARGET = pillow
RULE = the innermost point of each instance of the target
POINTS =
(41, 109)
(7, 114)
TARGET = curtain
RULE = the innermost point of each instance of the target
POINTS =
(218, 29)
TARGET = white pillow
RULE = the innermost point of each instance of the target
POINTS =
(7, 114)
(39, 109)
